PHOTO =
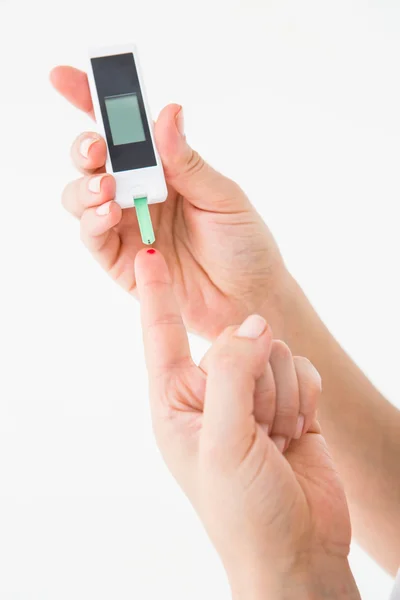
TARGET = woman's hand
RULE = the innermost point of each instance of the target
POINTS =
(225, 265)
(279, 521)
(223, 260)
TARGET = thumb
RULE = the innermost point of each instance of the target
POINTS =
(188, 173)
(235, 362)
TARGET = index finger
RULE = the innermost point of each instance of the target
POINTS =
(74, 86)
(164, 334)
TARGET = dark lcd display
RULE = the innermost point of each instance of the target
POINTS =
(123, 112)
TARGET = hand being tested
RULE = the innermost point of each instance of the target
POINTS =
(279, 522)
(225, 265)
(222, 257)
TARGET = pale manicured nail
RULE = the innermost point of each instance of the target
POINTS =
(94, 184)
(104, 209)
(180, 122)
(299, 427)
(279, 441)
(252, 327)
(85, 146)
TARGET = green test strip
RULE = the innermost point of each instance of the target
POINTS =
(145, 224)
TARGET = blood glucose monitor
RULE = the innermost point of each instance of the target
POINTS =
(123, 116)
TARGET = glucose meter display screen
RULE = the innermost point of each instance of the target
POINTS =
(125, 121)
(123, 112)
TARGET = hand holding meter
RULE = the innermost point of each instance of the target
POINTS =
(123, 116)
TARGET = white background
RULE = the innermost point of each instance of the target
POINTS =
(296, 99)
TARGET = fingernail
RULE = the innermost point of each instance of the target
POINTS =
(94, 184)
(85, 146)
(299, 427)
(252, 327)
(151, 251)
(104, 209)
(180, 122)
(279, 441)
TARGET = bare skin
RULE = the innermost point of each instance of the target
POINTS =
(279, 523)
(226, 265)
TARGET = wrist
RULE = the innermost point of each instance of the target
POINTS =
(327, 577)
(277, 307)
(331, 579)
(293, 318)
(285, 306)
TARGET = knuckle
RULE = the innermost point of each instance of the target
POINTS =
(166, 319)
(302, 361)
(227, 361)
(65, 194)
(310, 391)
(235, 359)
(287, 406)
(83, 234)
(234, 188)
(311, 386)
(284, 429)
(84, 230)
(157, 285)
(286, 411)
(284, 424)
(69, 196)
(195, 163)
(280, 350)
(308, 377)
(267, 395)
(316, 379)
